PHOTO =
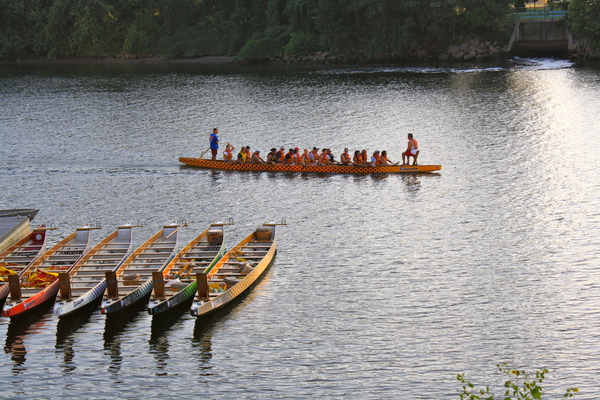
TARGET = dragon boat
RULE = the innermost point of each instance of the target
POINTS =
(39, 282)
(85, 282)
(236, 271)
(132, 281)
(177, 282)
(323, 169)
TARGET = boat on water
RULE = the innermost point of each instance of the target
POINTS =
(324, 169)
(86, 281)
(15, 259)
(200, 255)
(39, 282)
(236, 271)
(132, 281)
(14, 225)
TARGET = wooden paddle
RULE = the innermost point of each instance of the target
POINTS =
(201, 155)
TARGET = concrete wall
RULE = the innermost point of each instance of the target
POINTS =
(539, 38)
(543, 31)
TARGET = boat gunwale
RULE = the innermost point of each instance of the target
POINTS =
(297, 168)
(223, 299)
(30, 302)
(189, 290)
(141, 290)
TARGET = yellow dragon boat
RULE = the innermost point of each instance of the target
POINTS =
(324, 169)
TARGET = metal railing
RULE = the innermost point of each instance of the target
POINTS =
(538, 16)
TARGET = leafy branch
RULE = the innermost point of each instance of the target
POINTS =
(521, 385)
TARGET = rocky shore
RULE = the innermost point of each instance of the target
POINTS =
(468, 50)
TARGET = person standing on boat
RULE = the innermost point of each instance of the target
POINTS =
(412, 150)
(214, 143)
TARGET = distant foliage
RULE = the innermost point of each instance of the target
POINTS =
(584, 21)
(520, 385)
(256, 28)
(260, 48)
(302, 43)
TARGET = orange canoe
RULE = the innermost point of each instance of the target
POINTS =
(325, 169)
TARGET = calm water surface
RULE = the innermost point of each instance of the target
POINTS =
(384, 287)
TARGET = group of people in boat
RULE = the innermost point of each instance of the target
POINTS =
(296, 156)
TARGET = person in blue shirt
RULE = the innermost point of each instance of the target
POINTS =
(214, 143)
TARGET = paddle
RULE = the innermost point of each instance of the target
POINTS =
(201, 155)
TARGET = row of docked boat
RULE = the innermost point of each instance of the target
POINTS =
(111, 275)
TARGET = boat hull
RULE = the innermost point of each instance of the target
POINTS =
(105, 256)
(60, 258)
(203, 308)
(323, 169)
(197, 254)
(156, 260)
(49, 293)
(21, 254)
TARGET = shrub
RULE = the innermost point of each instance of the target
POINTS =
(260, 48)
(302, 44)
(520, 386)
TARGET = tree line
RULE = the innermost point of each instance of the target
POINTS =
(247, 28)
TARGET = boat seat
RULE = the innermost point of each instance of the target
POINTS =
(10, 259)
(80, 275)
(78, 281)
(100, 266)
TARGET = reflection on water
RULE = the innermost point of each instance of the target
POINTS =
(22, 328)
(384, 285)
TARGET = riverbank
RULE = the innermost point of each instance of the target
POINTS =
(111, 60)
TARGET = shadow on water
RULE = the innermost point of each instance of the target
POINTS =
(20, 328)
(116, 323)
(159, 338)
(114, 333)
(205, 324)
(69, 324)
(162, 323)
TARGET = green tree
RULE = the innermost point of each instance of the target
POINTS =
(584, 21)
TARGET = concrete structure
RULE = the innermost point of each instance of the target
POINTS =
(539, 34)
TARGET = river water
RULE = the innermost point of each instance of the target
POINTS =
(384, 287)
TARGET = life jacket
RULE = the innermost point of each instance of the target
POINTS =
(415, 144)
(227, 155)
(377, 159)
(242, 156)
(289, 158)
(271, 157)
(324, 158)
(345, 158)
(279, 156)
(364, 157)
